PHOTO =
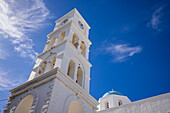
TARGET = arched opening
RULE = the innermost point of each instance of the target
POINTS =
(61, 37)
(25, 105)
(75, 107)
(83, 48)
(79, 76)
(52, 63)
(120, 102)
(75, 40)
(51, 43)
(42, 68)
(106, 104)
(71, 69)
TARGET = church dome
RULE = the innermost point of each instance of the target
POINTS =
(112, 93)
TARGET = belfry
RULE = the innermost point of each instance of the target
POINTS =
(60, 80)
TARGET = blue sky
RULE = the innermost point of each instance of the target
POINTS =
(130, 50)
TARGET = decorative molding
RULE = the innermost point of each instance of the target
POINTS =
(64, 41)
(70, 99)
(82, 35)
(44, 78)
(19, 98)
(44, 109)
(81, 56)
(71, 12)
(66, 80)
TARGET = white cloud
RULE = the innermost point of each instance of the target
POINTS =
(156, 19)
(120, 52)
(3, 53)
(19, 17)
(8, 80)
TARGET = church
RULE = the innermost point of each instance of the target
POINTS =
(60, 79)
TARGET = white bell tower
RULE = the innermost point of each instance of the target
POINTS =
(60, 79)
(67, 48)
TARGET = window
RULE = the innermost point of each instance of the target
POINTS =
(51, 43)
(120, 102)
(71, 69)
(106, 104)
(83, 48)
(75, 107)
(52, 63)
(61, 37)
(75, 40)
(79, 76)
(42, 68)
(25, 105)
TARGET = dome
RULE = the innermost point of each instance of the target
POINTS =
(112, 93)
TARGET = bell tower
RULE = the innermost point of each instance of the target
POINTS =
(67, 48)
(60, 79)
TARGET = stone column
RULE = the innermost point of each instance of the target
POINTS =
(78, 48)
(48, 67)
(56, 41)
(58, 62)
(75, 71)
(87, 53)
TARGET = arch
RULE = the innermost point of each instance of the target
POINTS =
(71, 69)
(42, 68)
(51, 43)
(47, 56)
(75, 107)
(78, 61)
(107, 105)
(71, 98)
(75, 40)
(61, 37)
(25, 105)
(43, 64)
(83, 48)
(19, 98)
(79, 79)
(52, 62)
(120, 102)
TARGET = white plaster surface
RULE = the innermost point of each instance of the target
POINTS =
(158, 104)
(112, 100)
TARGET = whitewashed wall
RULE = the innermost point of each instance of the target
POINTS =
(157, 104)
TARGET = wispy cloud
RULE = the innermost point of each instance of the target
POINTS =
(156, 19)
(120, 52)
(8, 80)
(3, 53)
(19, 17)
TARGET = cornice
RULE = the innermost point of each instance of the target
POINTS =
(65, 15)
(82, 35)
(77, 29)
(58, 29)
(51, 48)
(76, 11)
(82, 93)
(41, 79)
(46, 77)
(82, 57)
